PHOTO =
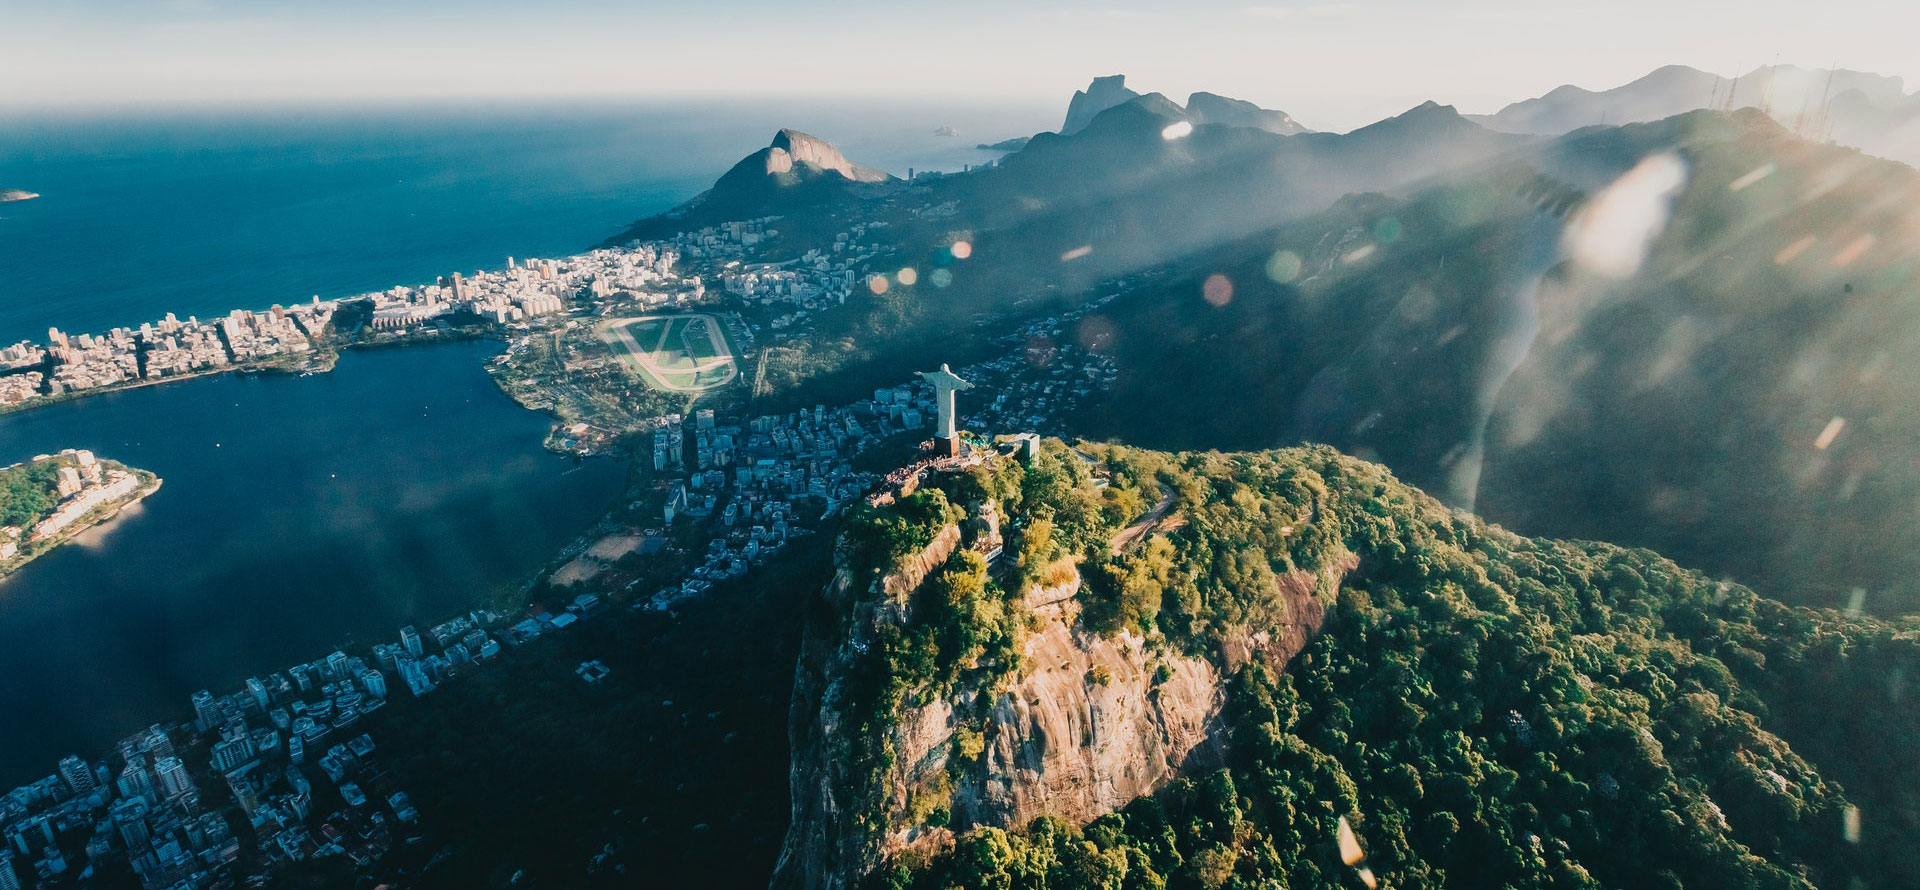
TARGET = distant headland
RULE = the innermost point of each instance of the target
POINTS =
(46, 501)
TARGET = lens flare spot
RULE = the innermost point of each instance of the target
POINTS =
(1387, 230)
(1217, 290)
(907, 277)
(961, 250)
(877, 284)
(1854, 250)
(1758, 173)
(1284, 266)
(1850, 824)
(1793, 251)
(1096, 333)
(1076, 253)
(1177, 130)
(1830, 433)
(940, 277)
(1614, 233)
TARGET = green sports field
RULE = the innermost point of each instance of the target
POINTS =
(676, 353)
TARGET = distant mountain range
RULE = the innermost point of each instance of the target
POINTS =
(1203, 108)
(1867, 111)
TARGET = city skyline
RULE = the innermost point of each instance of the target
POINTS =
(1333, 64)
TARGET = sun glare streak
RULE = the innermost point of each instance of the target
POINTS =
(1177, 130)
(1854, 250)
(1615, 232)
(1076, 253)
(1761, 172)
(1793, 251)
(1350, 852)
(1830, 433)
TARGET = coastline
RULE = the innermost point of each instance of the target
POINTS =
(94, 518)
(320, 361)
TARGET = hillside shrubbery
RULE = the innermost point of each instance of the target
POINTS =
(1486, 710)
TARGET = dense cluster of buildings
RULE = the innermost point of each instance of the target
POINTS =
(274, 772)
(750, 482)
(523, 290)
(1043, 378)
(83, 485)
(814, 280)
(156, 350)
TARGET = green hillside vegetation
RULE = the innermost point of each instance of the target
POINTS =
(27, 493)
(1487, 710)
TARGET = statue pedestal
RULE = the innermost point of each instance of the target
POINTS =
(945, 446)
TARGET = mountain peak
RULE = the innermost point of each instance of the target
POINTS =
(791, 147)
(1428, 113)
(1212, 108)
(1103, 93)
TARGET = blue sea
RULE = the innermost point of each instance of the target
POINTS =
(198, 212)
(300, 513)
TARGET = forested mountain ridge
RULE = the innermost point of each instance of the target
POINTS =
(1727, 383)
(1485, 710)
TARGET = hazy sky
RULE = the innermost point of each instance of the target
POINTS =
(1334, 64)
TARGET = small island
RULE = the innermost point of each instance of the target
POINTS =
(46, 501)
(16, 195)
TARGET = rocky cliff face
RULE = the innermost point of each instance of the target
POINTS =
(1086, 724)
(792, 147)
(794, 158)
(1089, 727)
(1102, 94)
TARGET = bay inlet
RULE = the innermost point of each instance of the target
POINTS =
(300, 513)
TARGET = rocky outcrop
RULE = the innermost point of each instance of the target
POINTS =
(794, 158)
(1091, 726)
(828, 840)
(1102, 94)
(1084, 725)
(1210, 108)
(792, 147)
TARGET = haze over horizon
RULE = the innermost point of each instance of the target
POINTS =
(1333, 64)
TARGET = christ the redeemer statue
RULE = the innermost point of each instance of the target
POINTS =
(945, 384)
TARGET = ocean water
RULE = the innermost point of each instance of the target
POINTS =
(300, 513)
(198, 212)
(296, 514)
